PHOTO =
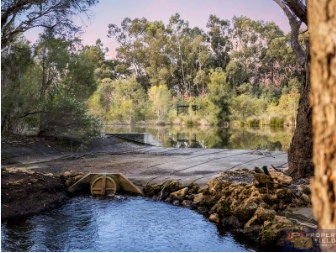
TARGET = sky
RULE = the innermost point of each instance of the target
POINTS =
(196, 12)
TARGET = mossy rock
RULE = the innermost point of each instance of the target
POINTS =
(209, 201)
(193, 188)
(262, 190)
(247, 192)
(245, 210)
(223, 208)
(152, 190)
(172, 186)
(245, 170)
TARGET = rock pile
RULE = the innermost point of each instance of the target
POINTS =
(250, 207)
(70, 177)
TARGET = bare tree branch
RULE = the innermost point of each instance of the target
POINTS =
(295, 26)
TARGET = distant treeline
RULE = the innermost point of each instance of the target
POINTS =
(242, 70)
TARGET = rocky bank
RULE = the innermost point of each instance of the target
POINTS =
(246, 201)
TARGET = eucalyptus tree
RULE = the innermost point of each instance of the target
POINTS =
(18, 16)
(219, 37)
(300, 151)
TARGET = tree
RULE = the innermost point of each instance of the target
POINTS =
(300, 151)
(21, 15)
(160, 97)
(322, 27)
(219, 95)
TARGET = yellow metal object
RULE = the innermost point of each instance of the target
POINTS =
(104, 184)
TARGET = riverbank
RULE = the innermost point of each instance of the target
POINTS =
(25, 193)
(252, 204)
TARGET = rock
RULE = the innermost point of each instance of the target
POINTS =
(189, 197)
(260, 179)
(204, 190)
(245, 210)
(264, 215)
(186, 203)
(304, 189)
(305, 198)
(33, 180)
(155, 198)
(78, 177)
(180, 193)
(193, 188)
(202, 209)
(251, 222)
(67, 173)
(251, 232)
(176, 203)
(214, 217)
(172, 186)
(232, 221)
(209, 201)
(168, 200)
(282, 205)
(281, 178)
(198, 198)
(49, 175)
(15, 183)
(222, 207)
(151, 190)
(68, 182)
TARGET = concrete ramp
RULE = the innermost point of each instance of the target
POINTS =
(144, 138)
(126, 186)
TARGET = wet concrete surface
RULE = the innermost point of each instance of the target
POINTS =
(142, 164)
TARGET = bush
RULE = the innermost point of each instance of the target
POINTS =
(68, 117)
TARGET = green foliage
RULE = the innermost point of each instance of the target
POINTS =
(219, 97)
(69, 117)
(160, 97)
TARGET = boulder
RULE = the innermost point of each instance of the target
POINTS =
(232, 221)
(222, 207)
(193, 188)
(281, 178)
(186, 203)
(305, 198)
(203, 189)
(214, 217)
(260, 179)
(176, 203)
(172, 186)
(180, 193)
(264, 215)
(67, 173)
(245, 210)
(198, 198)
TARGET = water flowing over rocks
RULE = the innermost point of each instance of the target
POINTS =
(249, 202)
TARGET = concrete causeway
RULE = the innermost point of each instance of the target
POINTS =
(146, 164)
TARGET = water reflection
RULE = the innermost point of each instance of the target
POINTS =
(107, 224)
(265, 138)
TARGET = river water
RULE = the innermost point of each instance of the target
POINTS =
(117, 224)
(266, 138)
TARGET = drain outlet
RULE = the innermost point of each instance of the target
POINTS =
(104, 184)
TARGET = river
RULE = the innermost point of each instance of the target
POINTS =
(117, 224)
(266, 138)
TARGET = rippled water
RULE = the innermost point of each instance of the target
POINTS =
(110, 224)
(266, 138)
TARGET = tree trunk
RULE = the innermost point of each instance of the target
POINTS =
(322, 28)
(300, 151)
